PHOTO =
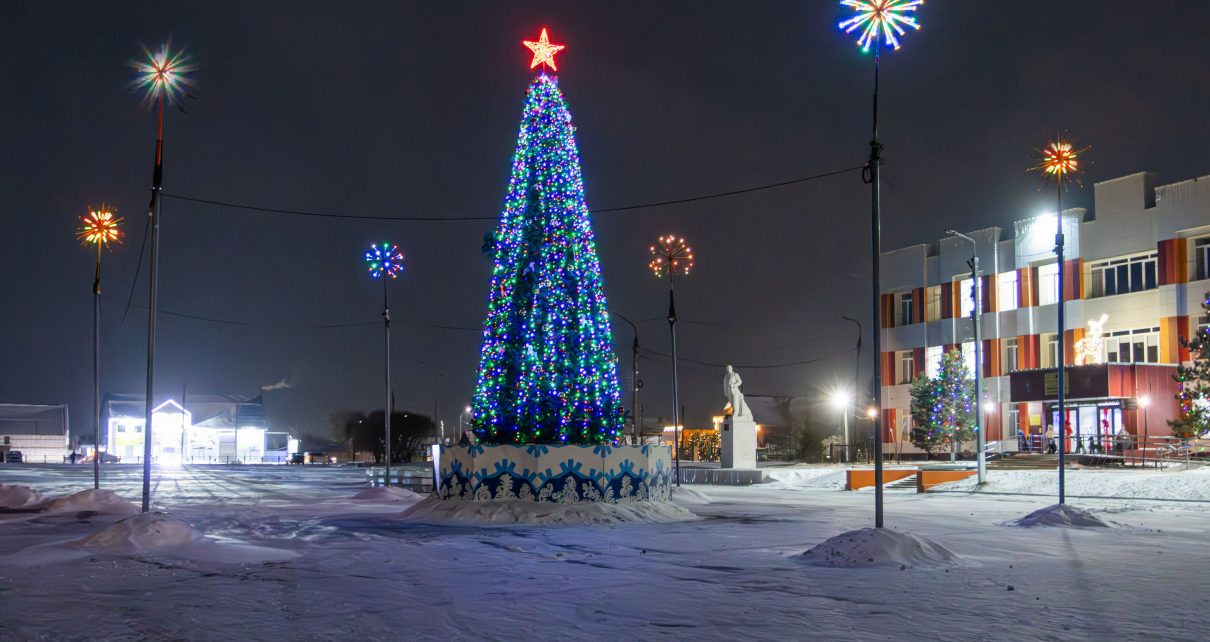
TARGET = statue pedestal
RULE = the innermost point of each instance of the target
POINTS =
(739, 442)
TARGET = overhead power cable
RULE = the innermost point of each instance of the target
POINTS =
(301, 326)
(451, 219)
(789, 364)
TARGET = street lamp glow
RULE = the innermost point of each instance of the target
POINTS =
(840, 399)
(871, 412)
(1144, 401)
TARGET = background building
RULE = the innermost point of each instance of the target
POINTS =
(1140, 262)
(38, 432)
(204, 429)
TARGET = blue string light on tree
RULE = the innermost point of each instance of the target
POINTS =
(547, 371)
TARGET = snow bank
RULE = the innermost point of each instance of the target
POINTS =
(806, 478)
(879, 547)
(1061, 515)
(1115, 484)
(158, 533)
(97, 500)
(142, 533)
(434, 510)
(689, 496)
(389, 494)
(18, 496)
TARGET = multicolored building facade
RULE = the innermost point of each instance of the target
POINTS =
(1136, 269)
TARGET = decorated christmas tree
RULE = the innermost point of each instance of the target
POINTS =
(1194, 380)
(943, 406)
(547, 371)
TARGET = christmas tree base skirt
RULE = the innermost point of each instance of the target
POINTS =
(559, 474)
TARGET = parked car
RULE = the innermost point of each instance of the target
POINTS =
(12, 457)
(297, 458)
(320, 458)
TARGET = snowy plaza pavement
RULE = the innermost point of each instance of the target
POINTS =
(305, 561)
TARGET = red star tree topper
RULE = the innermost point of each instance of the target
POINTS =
(544, 51)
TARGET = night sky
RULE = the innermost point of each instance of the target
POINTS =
(412, 109)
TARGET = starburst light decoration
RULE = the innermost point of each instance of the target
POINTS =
(384, 259)
(163, 74)
(99, 227)
(544, 51)
(1059, 160)
(880, 18)
(671, 255)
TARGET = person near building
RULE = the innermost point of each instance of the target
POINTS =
(1051, 446)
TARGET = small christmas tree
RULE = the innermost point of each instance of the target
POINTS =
(1194, 380)
(547, 370)
(943, 406)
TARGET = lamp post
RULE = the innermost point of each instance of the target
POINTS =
(163, 78)
(878, 21)
(976, 313)
(634, 378)
(385, 263)
(840, 401)
(1060, 160)
(671, 255)
(99, 228)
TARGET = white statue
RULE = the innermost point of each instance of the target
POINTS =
(731, 384)
(1088, 349)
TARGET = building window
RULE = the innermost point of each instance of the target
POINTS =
(904, 309)
(1011, 426)
(1141, 345)
(1008, 291)
(1050, 356)
(905, 367)
(1201, 258)
(932, 360)
(968, 356)
(932, 303)
(965, 288)
(1010, 355)
(1048, 284)
(1121, 276)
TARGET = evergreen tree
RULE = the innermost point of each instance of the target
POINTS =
(547, 371)
(942, 407)
(1194, 379)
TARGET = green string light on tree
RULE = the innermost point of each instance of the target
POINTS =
(547, 371)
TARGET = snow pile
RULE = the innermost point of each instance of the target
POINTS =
(142, 533)
(1061, 515)
(18, 496)
(522, 511)
(388, 494)
(1110, 484)
(158, 533)
(97, 500)
(689, 496)
(806, 478)
(879, 547)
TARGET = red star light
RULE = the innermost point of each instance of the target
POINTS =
(544, 52)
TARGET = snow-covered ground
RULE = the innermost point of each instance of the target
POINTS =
(288, 553)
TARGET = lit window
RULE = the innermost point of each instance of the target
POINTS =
(1008, 290)
(1048, 284)
(1010, 355)
(1201, 258)
(1050, 356)
(905, 367)
(904, 309)
(932, 301)
(1133, 346)
(932, 361)
(966, 288)
(968, 355)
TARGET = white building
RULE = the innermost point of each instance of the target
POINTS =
(38, 432)
(1141, 258)
(205, 429)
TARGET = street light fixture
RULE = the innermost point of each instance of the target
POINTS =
(672, 256)
(634, 379)
(840, 401)
(1145, 401)
(976, 312)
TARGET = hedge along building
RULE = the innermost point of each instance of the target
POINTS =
(1137, 266)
